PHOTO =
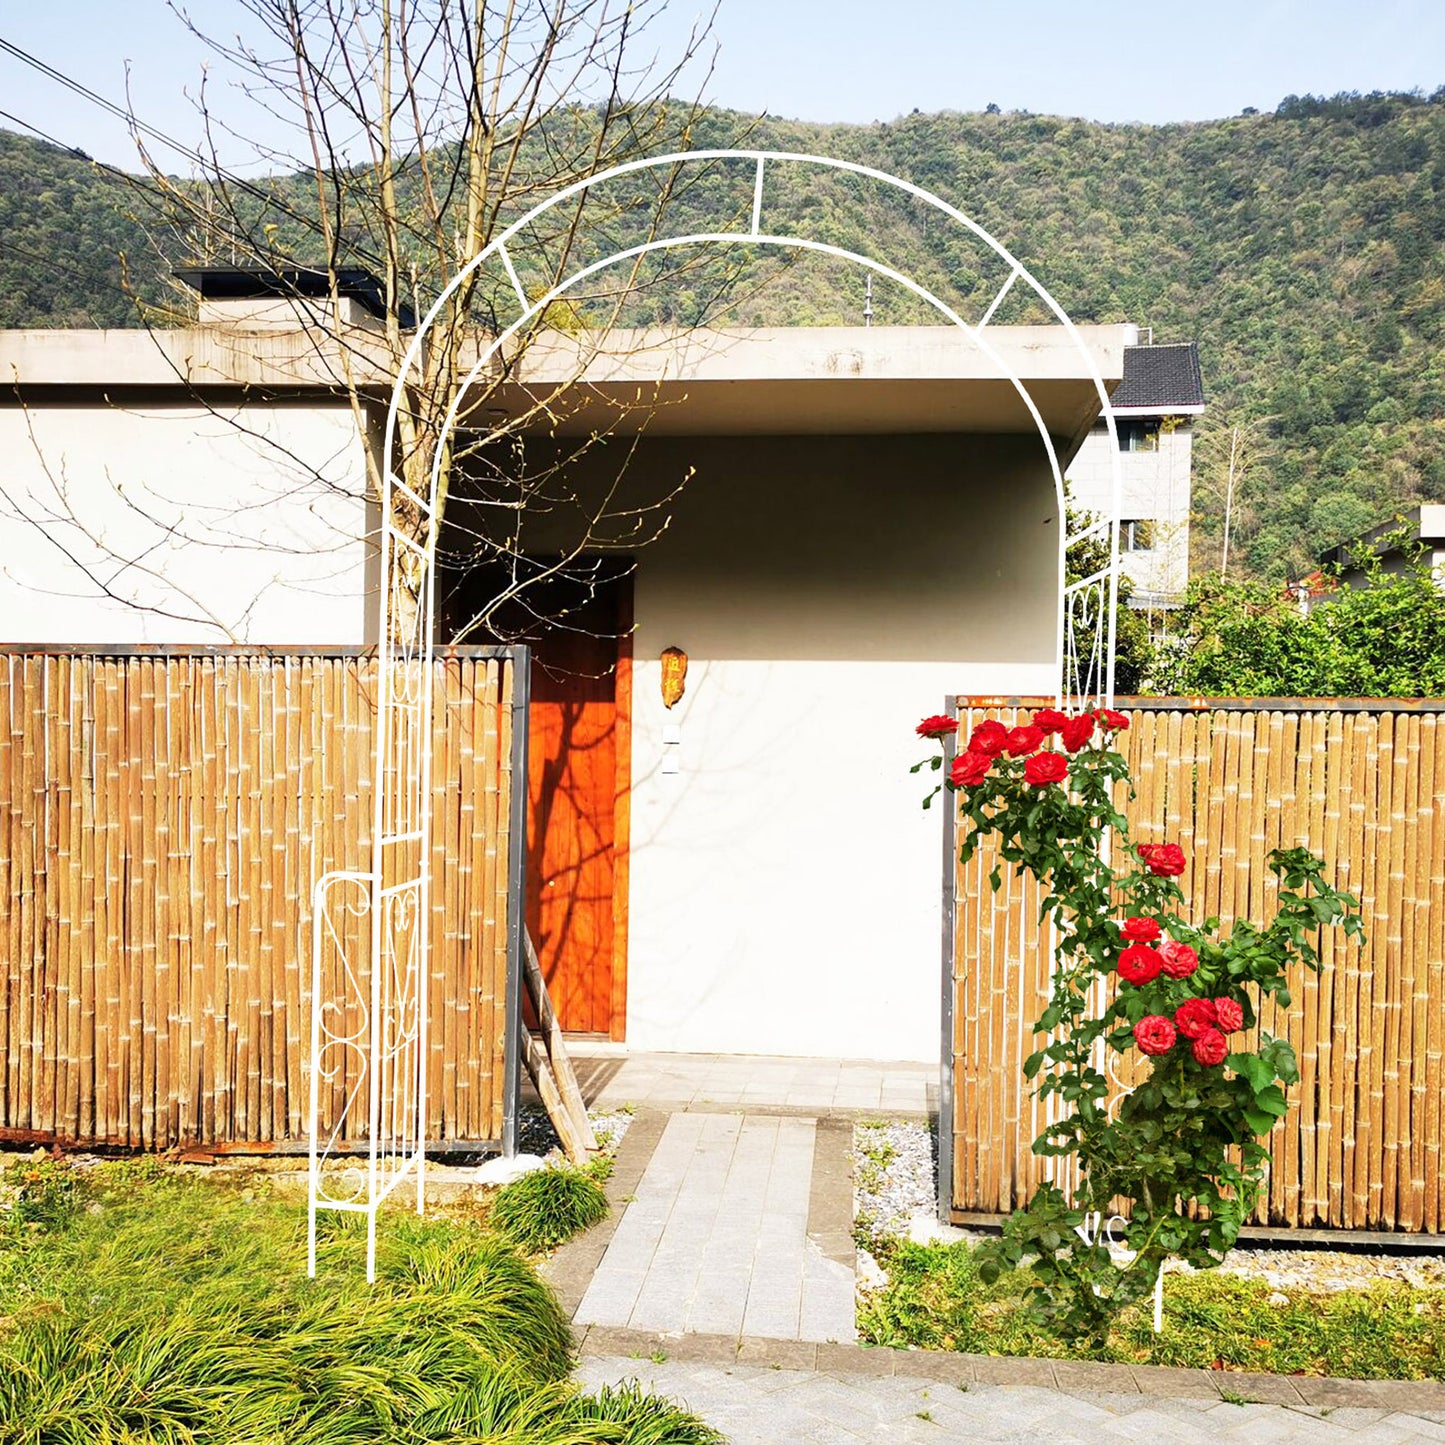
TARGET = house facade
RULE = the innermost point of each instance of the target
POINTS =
(1421, 527)
(1155, 406)
(868, 523)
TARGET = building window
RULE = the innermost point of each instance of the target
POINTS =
(1138, 436)
(1136, 536)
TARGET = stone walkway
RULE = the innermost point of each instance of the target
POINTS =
(715, 1240)
(759, 1405)
(724, 1279)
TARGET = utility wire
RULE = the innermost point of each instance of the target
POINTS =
(84, 91)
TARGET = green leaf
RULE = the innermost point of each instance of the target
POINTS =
(1253, 1068)
(1259, 1120)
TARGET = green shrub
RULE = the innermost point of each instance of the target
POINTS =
(935, 1299)
(542, 1209)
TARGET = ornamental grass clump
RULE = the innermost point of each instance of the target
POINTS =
(1134, 983)
(545, 1208)
(164, 1307)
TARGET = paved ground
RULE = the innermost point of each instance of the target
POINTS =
(758, 1405)
(724, 1280)
(610, 1076)
(716, 1240)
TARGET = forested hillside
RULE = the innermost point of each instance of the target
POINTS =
(1304, 249)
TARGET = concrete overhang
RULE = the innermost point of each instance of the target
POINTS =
(704, 382)
(196, 357)
(803, 380)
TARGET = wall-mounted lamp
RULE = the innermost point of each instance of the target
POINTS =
(674, 675)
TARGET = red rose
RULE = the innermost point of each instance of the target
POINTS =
(1163, 860)
(988, 738)
(1195, 1017)
(1179, 959)
(936, 727)
(1140, 930)
(1114, 722)
(1050, 719)
(1023, 740)
(1045, 768)
(1209, 1047)
(1139, 964)
(1228, 1015)
(1154, 1035)
(969, 769)
(1077, 731)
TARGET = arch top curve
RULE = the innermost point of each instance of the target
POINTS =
(1087, 606)
(1014, 273)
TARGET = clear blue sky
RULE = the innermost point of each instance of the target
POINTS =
(831, 60)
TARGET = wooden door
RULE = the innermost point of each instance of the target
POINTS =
(578, 780)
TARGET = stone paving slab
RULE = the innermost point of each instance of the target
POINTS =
(828, 1088)
(715, 1238)
(1422, 1399)
(768, 1404)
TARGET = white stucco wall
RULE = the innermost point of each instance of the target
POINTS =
(829, 592)
(242, 523)
(1155, 487)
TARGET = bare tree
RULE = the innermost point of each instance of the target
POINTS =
(1229, 458)
(419, 130)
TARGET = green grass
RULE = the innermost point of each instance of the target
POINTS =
(141, 1306)
(1391, 1331)
(542, 1209)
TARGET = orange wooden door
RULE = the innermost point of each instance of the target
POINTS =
(578, 776)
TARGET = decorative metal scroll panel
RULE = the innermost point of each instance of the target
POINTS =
(369, 983)
(391, 981)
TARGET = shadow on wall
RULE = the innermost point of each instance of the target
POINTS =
(914, 548)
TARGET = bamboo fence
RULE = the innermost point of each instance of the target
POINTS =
(1362, 784)
(163, 816)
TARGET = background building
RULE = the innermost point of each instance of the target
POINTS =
(1155, 406)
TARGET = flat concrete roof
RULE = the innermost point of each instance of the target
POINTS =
(820, 379)
(775, 380)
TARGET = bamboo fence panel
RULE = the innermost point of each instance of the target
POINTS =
(162, 819)
(1361, 783)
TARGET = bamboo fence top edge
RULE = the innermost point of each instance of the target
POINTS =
(162, 650)
(1221, 704)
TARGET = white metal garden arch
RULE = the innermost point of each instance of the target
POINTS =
(384, 1047)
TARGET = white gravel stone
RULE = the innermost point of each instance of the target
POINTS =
(501, 1171)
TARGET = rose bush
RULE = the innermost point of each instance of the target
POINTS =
(1133, 976)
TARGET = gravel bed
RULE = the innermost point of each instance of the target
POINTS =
(895, 1187)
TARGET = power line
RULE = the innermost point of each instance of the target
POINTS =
(84, 91)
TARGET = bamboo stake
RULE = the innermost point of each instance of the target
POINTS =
(1306, 830)
(1338, 836)
(1433, 1042)
(1410, 1122)
(1366, 761)
(1391, 1165)
(9, 880)
(496, 851)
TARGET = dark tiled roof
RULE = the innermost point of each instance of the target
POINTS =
(253, 283)
(1161, 377)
